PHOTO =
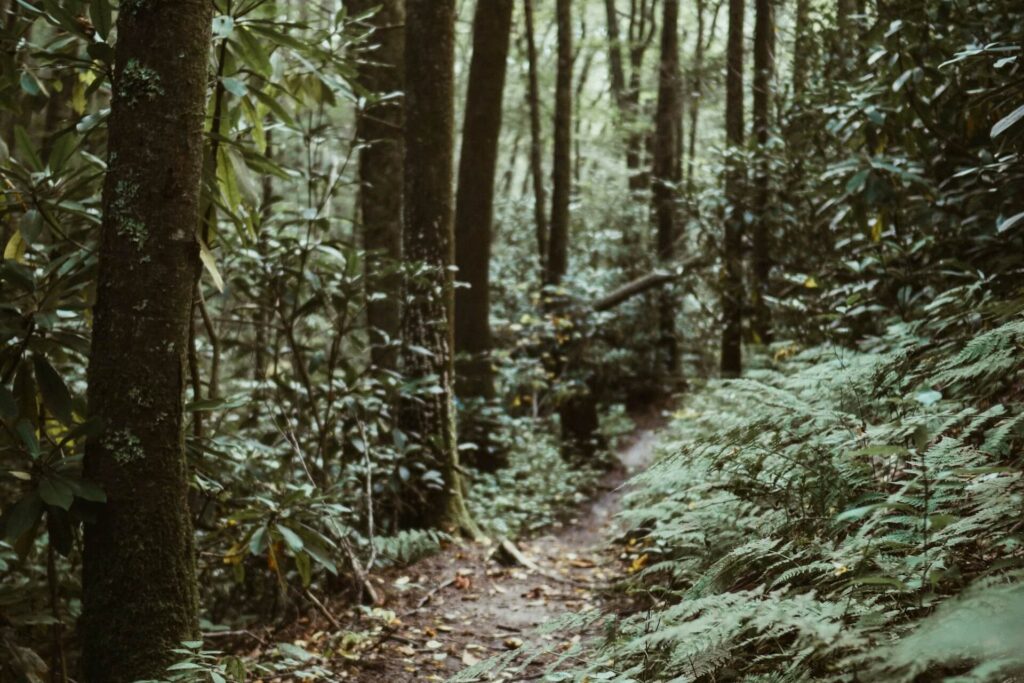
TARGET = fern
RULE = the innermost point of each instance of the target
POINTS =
(843, 515)
(408, 546)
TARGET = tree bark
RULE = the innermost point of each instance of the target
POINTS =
(428, 241)
(615, 68)
(801, 48)
(845, 39)
(540, 201)
(380, 175)
(474, 203)
(642, 29)
(732, 287)
(695, 97)
(558, 248)
(139, 584)
(764, 74)
(665, 173)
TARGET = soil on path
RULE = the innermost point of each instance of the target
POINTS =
(471, 602)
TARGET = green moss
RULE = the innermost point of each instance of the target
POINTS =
(139, 397)
(129, 226)
(139, 83)
(125, 447)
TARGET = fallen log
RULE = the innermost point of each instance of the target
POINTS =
(642, 284)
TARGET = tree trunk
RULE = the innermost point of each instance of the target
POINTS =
(732, 287)
(665, 173)
(139, 585)
(474, 205)
(845, 38)
(558, 248)
(428, 241)
(380, 175)
(801, 49)
(577, 131)
(540, 201)
(616, 71)
(642, 28)
(764, 74)
(474, 211)
(695, 97)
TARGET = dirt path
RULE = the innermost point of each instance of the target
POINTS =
(470, 603)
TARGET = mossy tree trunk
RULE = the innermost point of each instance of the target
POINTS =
(764, 74)
(428, 241)
(139, 583)
(380, 173)
(732, 285)
(666, 177)
(558, 246)
(474, 215)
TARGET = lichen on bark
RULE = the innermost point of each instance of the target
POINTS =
(139, 587)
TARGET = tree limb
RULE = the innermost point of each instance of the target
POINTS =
(645, 283)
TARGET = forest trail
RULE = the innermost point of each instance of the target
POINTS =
(471, 602)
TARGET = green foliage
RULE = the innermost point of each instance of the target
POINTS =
(199, 665)
(836, 516)
(830, 516)
(536, 486)
(408, 546)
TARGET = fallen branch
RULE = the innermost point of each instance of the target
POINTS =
(647, 282)
(430, 594)
(518, 555)
(326, 612)
(362, 576)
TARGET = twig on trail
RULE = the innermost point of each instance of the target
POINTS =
(369, 496)
(393, 635)
(517, 555)
(431, 593)
(326, 612)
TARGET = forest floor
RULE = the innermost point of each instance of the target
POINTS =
(473, 601)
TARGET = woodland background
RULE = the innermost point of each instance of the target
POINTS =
(281, 249)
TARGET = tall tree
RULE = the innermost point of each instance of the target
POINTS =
(666, 179)
(694, 98)
(732, 287)
(474, 202)
(616, 71)
(642, 29)
(801, 48)
(428, 240)
(558, 246)
(139, 585)
(540, 201)
(844, 42)
(380, 171)
(764, 74)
